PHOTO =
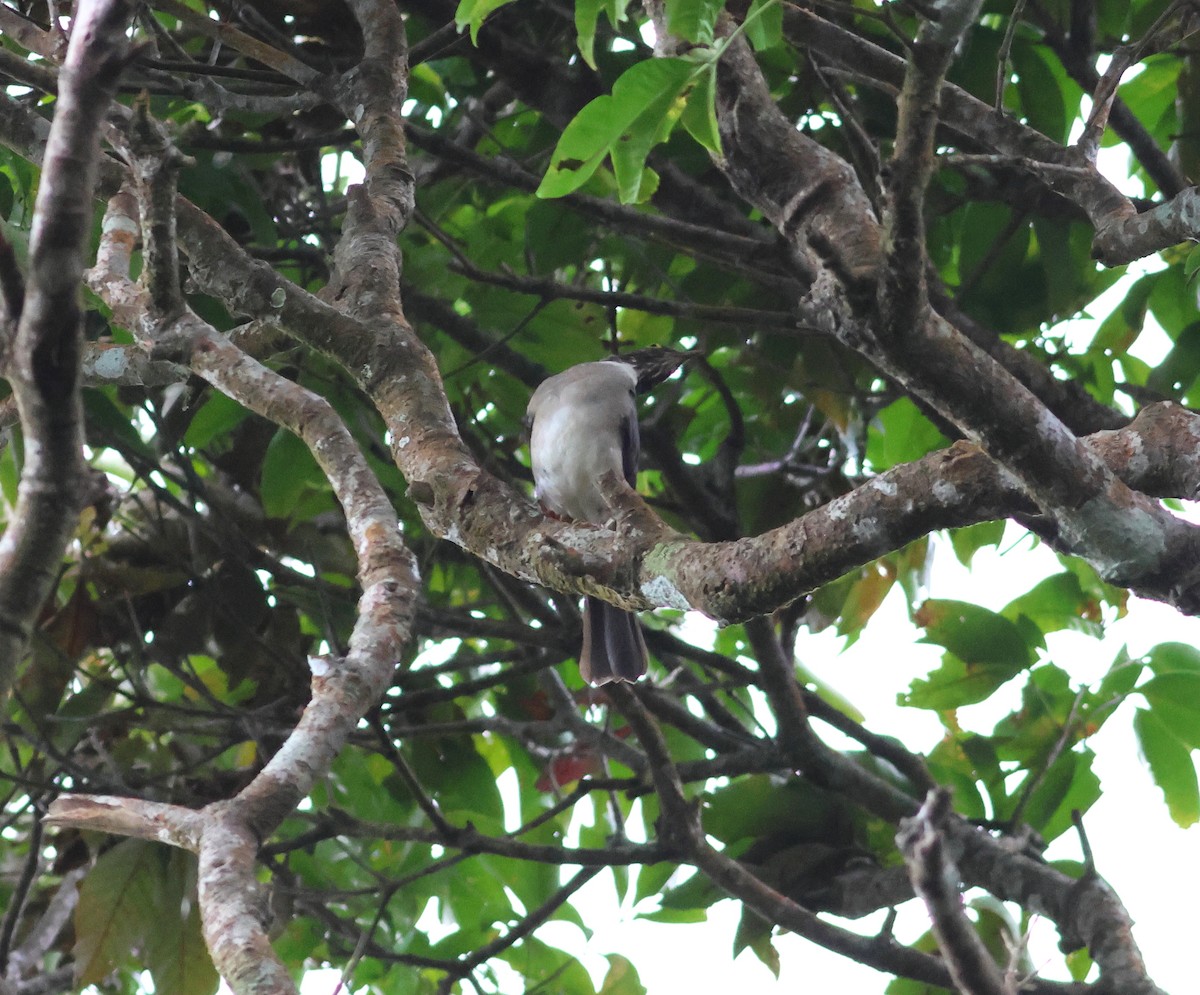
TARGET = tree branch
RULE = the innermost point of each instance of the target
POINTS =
(679, 826)
(44, 366)
(935, 880)
(342, 690)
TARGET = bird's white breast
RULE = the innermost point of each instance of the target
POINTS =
(576, 437)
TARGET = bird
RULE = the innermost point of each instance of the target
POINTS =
(583, 424)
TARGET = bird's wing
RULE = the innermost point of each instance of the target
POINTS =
(631, 443)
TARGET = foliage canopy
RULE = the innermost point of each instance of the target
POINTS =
(272, 589)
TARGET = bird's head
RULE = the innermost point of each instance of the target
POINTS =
(654, 364)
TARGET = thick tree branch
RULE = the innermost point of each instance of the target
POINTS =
(1139, 235)
(366, 280)
(904, 294)
(342, 690)
(1087, 911)
(44, 366)
(1110, 213)
(136, 817)
(1130, 539)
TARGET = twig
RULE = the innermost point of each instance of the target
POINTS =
(20, 892)
(1005, 52)
(1064, 736)
(935, 880)
(1102, 102)
(549, 289)
(679, 826)
(518, 932)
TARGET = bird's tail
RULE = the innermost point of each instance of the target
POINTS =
(613, 647)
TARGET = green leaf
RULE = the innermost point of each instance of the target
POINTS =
(459, 777)
(538, 962)
(587, 16)
(652, 879)
(1079, 963)
(217, 415)
(693, 20)
(1058, 602)
(652, 126)
(115, 910)
(1097, 589)
(954, 684)
(872, 585)
(963, 766)
(754, 932)
(176, 953)
(1151, 94)
(622, 978)
(643, 328)
(1041, 82)
(472, 14)
(670, 914)
(10, 473)
(999, 933)
(1175, 700)
(1047, 702)
(1122, 675)
(641, 110)
(906, 986)
(973, 633)
(764, 24)
(1174, 658)
(1069, 785)
(688, 899)
(760, 805)
(426, 86)
(109, 425)
(1122, 327)
(7, 196)
(290, 475)
(985, 651)
(1171, 766)
(1176, 375)
(968, 541)
(1170, 302)
(1191, 265)
(901, 434)
(700, 114)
